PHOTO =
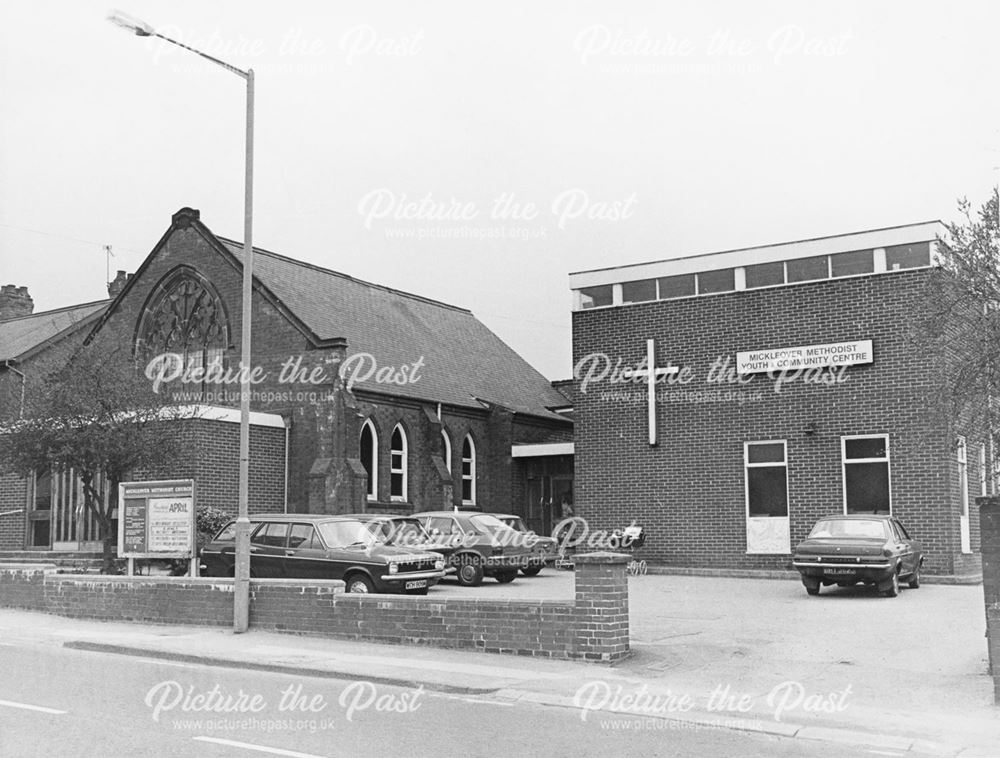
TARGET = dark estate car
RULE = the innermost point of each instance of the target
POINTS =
(544, 550)
(869, 548)
(403, 531)
(310, 546)
(483, 545)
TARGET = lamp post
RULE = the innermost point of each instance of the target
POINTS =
(241, 599)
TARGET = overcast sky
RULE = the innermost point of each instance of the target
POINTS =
(637, 130)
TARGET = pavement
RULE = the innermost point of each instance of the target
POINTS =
(848, 667)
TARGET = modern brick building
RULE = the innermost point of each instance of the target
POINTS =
(787, 387)
(364, 398)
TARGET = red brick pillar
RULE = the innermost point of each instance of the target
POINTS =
(989, 525)
(601, 608)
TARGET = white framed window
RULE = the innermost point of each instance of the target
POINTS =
(766, 479)
(865, 463)
(995, 463)
(397, 464)
(369, 457)
(468, 471)
(446, 448)
(982, 470)
(962, 458)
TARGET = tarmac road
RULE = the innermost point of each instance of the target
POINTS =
(68, 703)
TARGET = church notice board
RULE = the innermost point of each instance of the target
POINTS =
(156, 519)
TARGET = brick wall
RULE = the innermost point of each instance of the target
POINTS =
(689, 491)
(13, 493)
(425, 489)
(594, 626)
(211, 456)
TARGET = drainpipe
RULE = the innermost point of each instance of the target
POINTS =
(288, 426)
(24, 380)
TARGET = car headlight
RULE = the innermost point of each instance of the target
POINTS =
(393, 567)
(439, 564)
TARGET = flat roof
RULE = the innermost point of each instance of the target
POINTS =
(747, 256)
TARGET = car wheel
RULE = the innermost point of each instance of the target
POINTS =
(505, 577)
(532, 570)
(812, 586)
(470, 571)
(360, 584)
(915, 579)
(893, 588)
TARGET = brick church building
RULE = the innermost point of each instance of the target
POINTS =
(786, 388)
(365, 398)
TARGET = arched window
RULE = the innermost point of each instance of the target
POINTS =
(468, 471)
(369, 457)
(397, 464)
(446, 448)
(184, 316)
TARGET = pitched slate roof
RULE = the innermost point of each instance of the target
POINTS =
(463, 361)
(21, 335)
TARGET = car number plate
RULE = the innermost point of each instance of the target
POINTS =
(841, 572)
(416, 584)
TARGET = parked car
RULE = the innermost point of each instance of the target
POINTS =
(869, 548)
(310, 546)
(482, 545)
(403, 531)
(544, 550)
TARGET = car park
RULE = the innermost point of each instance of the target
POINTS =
(544, 550)
(310, 546)
(483, 545)
(873, 549)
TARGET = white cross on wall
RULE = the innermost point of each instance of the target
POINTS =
(652, 374)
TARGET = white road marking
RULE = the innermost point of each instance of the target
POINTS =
(884, 752)
(174, 664)
(485, 702)
(25, 706)
(258, 748)
(466, 698)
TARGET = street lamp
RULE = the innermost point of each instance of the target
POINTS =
(241, 599)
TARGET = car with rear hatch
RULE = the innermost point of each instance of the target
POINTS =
(312, 546)
(544, 550)
(873, 549)
(483, 545)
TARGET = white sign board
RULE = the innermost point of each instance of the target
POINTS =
(804, 357)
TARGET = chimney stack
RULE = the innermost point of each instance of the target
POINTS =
(14, 302)
(116, 286)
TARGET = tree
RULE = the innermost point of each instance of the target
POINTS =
(961, 323)
(98, 416)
